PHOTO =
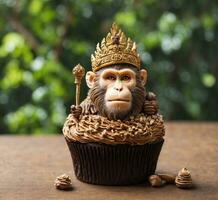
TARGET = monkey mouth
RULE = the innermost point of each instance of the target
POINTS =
(118, 100)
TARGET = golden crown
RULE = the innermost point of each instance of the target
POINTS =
(115, 49)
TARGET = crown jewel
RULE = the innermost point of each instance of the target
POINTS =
(115, 48)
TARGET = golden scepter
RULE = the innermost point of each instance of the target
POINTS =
(78, 72)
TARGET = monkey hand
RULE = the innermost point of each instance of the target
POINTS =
(150, 104)
(76, 111)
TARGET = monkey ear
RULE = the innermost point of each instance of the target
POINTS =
(90, 79)
(143, 76)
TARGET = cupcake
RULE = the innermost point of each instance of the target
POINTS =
(116, 134)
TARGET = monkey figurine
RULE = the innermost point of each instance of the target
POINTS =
(116, 134)
(116, 82)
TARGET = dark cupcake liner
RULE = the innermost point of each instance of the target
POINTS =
(121, 164)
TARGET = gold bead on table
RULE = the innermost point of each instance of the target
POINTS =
(156, 181)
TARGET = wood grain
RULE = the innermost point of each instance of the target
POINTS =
(30, 164)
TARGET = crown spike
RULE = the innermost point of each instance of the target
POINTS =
(134, 47)
(119, 32)
(92, 57)
(103, 45)
(98, 47)
(123, 39)
(114, 29)
(129, 44)
(108, 39)
(114, 25)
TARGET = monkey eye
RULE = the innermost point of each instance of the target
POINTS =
(111, 78)
(125, 78)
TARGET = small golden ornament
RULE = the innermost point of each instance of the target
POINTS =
(156, 181)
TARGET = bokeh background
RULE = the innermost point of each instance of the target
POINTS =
(42, 40)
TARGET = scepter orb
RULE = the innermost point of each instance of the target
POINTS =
(78, 72)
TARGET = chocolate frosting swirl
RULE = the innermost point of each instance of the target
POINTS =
(63, 182)
(137, 130)
(183, 179)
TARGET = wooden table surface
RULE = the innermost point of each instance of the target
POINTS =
(30, 164)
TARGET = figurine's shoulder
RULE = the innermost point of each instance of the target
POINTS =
(88, 107)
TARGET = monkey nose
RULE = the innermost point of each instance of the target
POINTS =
(118, 86)
(119, 89)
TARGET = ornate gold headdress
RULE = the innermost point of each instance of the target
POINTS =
(115, 49)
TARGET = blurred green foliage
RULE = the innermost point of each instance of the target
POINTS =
(41, 41)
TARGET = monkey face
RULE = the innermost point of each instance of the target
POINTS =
(118, 85)
(117, 92)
